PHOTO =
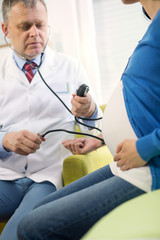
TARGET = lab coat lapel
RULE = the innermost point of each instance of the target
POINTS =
(13, 71)
(48, 66)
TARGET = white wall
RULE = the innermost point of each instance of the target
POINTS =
(64, 26)
(73, 33)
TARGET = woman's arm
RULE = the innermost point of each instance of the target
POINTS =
(149, 145)
(137, 153)
(82, 145)
(127, 156)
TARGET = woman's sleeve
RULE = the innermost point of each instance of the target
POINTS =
(149, 145)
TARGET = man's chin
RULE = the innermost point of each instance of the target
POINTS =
(33, 54)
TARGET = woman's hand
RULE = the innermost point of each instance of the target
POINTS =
(81, 145)
(127, 156)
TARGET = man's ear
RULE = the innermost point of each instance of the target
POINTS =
(5, 29)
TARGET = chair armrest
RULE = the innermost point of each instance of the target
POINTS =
(77, 166)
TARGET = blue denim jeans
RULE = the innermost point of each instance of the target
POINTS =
(18, 198)
(70, 212)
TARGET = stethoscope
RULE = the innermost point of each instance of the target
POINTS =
(76, 119)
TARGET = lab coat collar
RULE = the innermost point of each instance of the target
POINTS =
(21, 62)
(47, 68)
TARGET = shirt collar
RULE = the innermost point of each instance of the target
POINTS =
(20, 62)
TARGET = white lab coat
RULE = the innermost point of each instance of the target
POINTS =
(35, 108)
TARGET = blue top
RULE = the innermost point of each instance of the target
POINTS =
(141, 80)
(20, 64)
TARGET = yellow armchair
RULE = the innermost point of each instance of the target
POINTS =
(77, 166)
(2, 224)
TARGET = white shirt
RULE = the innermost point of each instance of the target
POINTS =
(115, 129)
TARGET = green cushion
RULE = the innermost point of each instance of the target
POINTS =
(77, 166)
(136, 219)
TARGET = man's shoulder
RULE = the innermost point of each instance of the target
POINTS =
(61, 57)
(6, 56)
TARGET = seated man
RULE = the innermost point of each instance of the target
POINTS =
(31, 165)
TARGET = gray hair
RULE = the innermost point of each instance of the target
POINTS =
(8, 4)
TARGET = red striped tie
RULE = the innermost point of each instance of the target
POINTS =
(29, 73)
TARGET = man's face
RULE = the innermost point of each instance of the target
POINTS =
(27, 29)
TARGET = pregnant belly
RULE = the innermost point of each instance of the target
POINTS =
(116, 126)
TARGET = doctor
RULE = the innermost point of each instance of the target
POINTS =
(31, 166)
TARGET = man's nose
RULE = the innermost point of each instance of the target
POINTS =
(33, 31)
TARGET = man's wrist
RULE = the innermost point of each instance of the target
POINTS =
(4, 143)
(98, 143)
(3, 152)
(91, 111)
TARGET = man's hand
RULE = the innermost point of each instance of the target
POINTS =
(22, 142)
(81, 145)
(83, 106)
(127, 156)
